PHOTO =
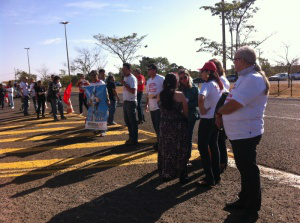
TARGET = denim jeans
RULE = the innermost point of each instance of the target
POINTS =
(25, 101)
(11, 101)
(34, 102)
(112, 109)
(57, 104)
(82, 101)
(129, 109)
(139, 106)
(155, 117)
(191, 125)
(207, 138)
(244, 151)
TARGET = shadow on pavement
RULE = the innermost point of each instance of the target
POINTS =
(140, 201)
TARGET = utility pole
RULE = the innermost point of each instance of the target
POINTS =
(223, 35)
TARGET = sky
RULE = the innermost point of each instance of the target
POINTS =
(171, 27)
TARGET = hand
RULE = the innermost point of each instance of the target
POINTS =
(123, 82)
(147, 109)
(219, 121)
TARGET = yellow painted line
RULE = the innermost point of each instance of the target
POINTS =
(18, 132)
(65, 165)
(42, 125)
(38, 138)
(67, 147)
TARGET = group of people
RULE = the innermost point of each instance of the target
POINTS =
(7, 92)
(176, 104)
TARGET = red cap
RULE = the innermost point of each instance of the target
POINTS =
(209, 66)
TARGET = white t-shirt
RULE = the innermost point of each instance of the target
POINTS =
(225, 83)
(32, 89)
(212, 93)
(247, 122)
(10, 91)
(97, 83)
(132, 82)
(24, 87)
(153, 88)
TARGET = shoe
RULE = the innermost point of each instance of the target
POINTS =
(237, 205)
(113, 123)
(140, 122)
(81, 114)
(203, 183)
(38, 117)
(56, 119)
(102, 134)
(189, 164)
(223, 167)
(12, 107)
(131, 142)
(246, 216)
(184, 179)
(50, 112)
(43, 116)
(26, 114)
(127, 141)
(63, 118)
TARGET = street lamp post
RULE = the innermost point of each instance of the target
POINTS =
(65, 23)
(28, 58)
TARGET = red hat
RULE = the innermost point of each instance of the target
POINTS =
(209, 66)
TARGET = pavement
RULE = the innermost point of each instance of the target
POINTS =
(60, 172)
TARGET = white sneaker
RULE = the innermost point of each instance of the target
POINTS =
(12, 107)
(81, 114)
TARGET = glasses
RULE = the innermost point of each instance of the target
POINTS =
(183, 78)
(234, 59)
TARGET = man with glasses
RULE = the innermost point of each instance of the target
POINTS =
(153, 89)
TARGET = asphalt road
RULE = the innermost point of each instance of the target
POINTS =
(60, 172)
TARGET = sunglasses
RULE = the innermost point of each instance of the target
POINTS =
(183, 78)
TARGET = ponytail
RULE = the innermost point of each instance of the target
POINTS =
(259, 70)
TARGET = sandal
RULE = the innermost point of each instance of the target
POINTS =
(203, 183)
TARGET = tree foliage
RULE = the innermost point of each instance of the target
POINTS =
(20, 74)
(237, 16)
(124, 48)
(88, 59)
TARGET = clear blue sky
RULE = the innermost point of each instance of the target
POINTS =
(171, 26)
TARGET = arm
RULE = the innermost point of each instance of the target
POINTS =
(184, 106)
(116, 94)
(229, 107)
(131, 90)
(201, 100)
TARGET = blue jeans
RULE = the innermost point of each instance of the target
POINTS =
(129, 109)
(155, 117)
(25, 101)
(191, 125)
(11, 101)
(57, 104)
(139, 106)
(112, 109)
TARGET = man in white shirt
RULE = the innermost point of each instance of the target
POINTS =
(32, 93)
(130, 103)
(24, 94)
(242, 116)
(153, 89)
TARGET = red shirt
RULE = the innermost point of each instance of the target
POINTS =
(81, 84)
(141, 82)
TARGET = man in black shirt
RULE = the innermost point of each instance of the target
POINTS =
(113, 95)
(40, 91)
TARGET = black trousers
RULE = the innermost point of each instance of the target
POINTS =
(222, 147)
(207, 138)
(129, 111)
(82, 101)
(139, 106)
(41, 103)
(245, 158)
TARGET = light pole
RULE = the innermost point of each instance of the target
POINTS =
(65, 23)
(28, 58)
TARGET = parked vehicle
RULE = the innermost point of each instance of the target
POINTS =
(198, 80)
(232, 78)
(280, 77)
(295, 76)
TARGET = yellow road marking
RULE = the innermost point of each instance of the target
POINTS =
(67, 147)
(18, 132)
(41, 125)
(38, 138)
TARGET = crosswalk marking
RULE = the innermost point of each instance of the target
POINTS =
(43, 124)
(25, 131)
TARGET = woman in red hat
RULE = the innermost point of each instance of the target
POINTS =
(210, 93)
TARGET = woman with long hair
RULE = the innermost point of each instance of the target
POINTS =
(222, 135)
(191, 93)
(173, 145)
(210, 93)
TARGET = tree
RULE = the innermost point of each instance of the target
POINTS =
(287, 61)
(162, 64)
(237, 15)
(88, 59)
(124, 48)
(20, 74)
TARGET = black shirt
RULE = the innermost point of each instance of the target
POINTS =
(110, 86)
(39, 90)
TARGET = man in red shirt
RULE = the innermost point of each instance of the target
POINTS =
(82, 98)
(141, 86)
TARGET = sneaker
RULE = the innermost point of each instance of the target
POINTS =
(43, 116)
(56, 119)
(12, 107)
(140, 122)
(64, 118)
(81, 114)
(113, 123)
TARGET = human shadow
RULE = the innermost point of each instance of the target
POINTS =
(144, 200)
(234, 217)
(86, 170)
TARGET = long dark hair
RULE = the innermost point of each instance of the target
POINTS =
(167, 94)
(214, 76)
